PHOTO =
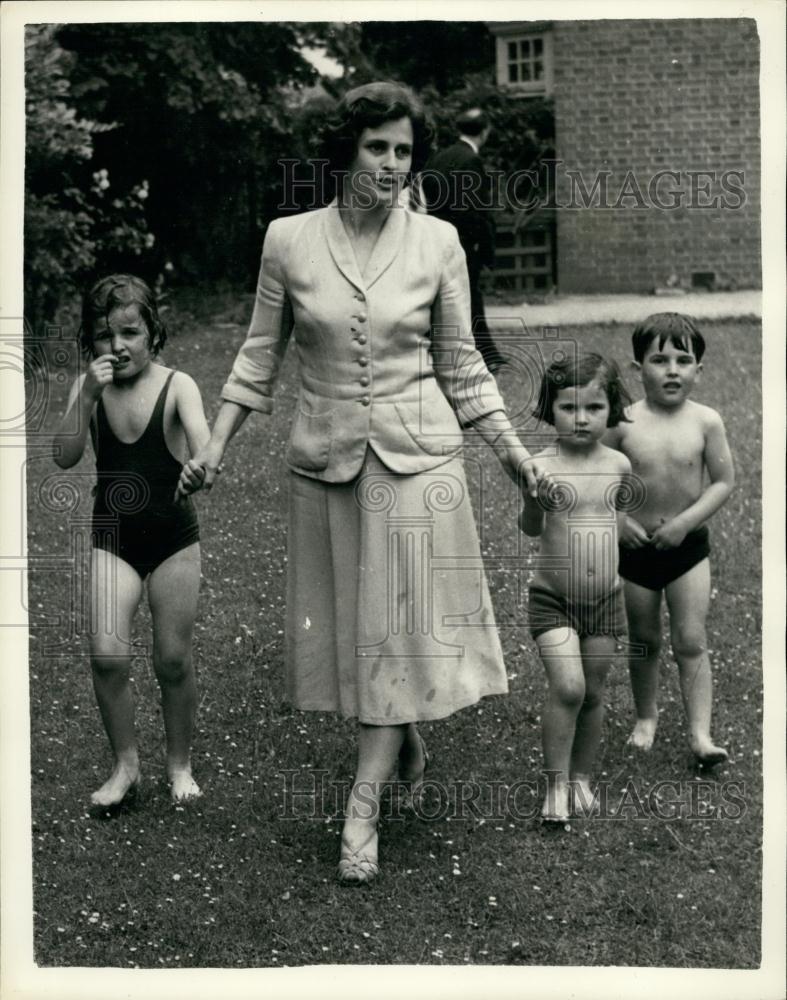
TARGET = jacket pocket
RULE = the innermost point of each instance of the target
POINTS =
(310, 439)
(434, 429)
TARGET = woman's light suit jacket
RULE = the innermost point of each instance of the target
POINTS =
(387, 358)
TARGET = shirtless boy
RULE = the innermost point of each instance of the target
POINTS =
(679, 451)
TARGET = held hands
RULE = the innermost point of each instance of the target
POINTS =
(199, 472)
(99, 374)
(533, 476)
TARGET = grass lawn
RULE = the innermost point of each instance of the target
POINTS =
(231, 882)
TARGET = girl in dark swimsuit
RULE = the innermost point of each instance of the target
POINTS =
(141, 415)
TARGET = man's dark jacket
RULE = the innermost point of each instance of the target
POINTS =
(464, 198)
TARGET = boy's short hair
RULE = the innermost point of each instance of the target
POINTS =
(680, 330)
(472, 121)
(579, 371)
(116, 291)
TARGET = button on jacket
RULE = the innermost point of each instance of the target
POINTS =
(386, 358)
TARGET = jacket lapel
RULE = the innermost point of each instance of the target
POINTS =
(339, 245)
(387, 246)
(385, 249)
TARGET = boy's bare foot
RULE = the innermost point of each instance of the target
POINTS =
(708, 754)
(123, 779)
(583, 802)
(643, 734)
(182, 786)
(555, 807)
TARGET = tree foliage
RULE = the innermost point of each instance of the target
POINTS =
(71, 223)
(202, 109)
(435, 54)
(451, 64)
(154, 146)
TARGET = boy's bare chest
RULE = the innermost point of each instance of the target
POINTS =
(678, 446)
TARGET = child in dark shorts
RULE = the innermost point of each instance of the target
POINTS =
(141, 416)
(575, 601)
(679, 451)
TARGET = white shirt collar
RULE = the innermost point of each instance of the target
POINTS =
(470, 143)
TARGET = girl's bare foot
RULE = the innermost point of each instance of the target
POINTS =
(123, 779)
(643, 734)
(182, 786)
(555, 807)
(583, 802)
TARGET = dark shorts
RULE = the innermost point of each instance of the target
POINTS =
(547, 611)
(145, 540)
(657, 568)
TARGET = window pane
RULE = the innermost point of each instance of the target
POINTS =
(524, 47)
(511, 51)
(525, 71)
(538, 70)
(513, 73)
(538, 46)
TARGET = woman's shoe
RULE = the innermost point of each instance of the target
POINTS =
(358, 867)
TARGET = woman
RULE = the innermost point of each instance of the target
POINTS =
(388, 613)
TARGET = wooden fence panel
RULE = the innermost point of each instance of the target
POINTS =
(525, 257)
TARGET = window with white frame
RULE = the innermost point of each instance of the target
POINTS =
(524, 60)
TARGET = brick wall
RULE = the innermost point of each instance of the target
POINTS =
(644, 96)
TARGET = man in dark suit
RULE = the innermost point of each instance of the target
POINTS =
(456, 188)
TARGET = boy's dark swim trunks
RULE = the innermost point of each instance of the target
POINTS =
(656, 568)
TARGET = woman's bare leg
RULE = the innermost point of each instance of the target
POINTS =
(378, 749)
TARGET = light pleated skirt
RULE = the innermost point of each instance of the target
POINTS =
(389, 618)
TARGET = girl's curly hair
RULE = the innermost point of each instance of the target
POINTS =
(119, 290)
(579, 371)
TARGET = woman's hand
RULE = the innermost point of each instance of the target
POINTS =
(200, 471)
(532, 473)
(205, 464)
(98, 376)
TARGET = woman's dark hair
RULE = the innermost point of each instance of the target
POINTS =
(676, 328)
(370, 106)
(116, 291)
(579, 371)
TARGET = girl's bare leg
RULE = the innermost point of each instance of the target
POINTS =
(173, 592)
(560, 653)
(115, 592)
(597, 655)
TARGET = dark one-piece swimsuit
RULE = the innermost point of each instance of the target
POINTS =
(134, 516)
